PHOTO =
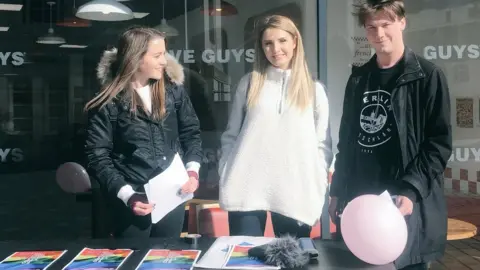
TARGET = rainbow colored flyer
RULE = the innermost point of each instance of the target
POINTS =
(238, 259)
(99, 259)
(38, 260)
(166, 259)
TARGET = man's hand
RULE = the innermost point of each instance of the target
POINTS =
(190, 186)
(332, 209)
(405, 205)
(140, 205)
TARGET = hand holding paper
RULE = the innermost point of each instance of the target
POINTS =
(405, 205)
(190, 186)
(387, 196)
(164, 190)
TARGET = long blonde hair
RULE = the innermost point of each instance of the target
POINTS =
(132, 46)
(300, 92)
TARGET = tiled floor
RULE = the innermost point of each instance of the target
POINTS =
(460, 255)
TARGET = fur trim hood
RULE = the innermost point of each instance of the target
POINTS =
(173, 69)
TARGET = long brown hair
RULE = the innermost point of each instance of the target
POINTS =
(132, 46)
(301, 88)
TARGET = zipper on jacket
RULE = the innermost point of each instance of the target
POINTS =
(151, 139)
(282, 93)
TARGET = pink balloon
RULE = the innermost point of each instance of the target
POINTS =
(374, 229)
(73, 178)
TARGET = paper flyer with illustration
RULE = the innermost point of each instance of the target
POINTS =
(169, 259)
(238, 259)
(99, 259)
(216, 256)
(38, 260)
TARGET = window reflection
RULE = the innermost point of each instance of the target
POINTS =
(43, 87)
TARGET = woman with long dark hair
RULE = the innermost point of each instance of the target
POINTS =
(138, 122)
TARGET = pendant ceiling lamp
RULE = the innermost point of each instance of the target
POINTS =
(104, 10)
(74, 21)
(168, 30)
(51, 38)
(223, 9)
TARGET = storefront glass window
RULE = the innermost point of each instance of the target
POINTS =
(43, 87)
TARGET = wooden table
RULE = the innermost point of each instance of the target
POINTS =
(193, 207)
(203, 202)
(458, 229)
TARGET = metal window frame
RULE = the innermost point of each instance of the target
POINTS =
(322, 75)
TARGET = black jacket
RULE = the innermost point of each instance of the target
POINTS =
(124, 149)
(421, 107)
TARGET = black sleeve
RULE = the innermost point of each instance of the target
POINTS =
(436, 148)
(98, 147)
(189, 129)
(337, 187)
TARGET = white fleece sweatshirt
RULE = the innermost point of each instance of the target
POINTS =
(278, 160)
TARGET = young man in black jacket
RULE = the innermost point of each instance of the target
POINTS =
(395, 134)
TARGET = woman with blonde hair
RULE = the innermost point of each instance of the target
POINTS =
(137, 124)
(276, 150)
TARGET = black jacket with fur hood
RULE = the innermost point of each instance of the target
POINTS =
(125, 149)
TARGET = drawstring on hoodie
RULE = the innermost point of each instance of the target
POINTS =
(283, 92)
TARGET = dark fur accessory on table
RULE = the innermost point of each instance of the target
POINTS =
(283, 252)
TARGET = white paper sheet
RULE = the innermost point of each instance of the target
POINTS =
(164, 189)
(245, 263)
(387, 196)
(217, 254)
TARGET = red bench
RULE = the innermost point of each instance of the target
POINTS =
(214, 222)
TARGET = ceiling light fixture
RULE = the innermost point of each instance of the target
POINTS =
(163, 27)
(4, 28)
(10, 7)
(104, 10)
(72, 46)
(51, 38)
(139, 15)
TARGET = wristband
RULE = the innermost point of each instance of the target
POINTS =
(193, 174)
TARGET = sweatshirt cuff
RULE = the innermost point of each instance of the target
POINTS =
(125, 193)
(408, 191)
(193, 166)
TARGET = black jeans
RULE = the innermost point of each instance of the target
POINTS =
(252, 223)
(128, 225)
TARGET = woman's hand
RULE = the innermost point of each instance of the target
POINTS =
(140, 205)
(191, 185)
